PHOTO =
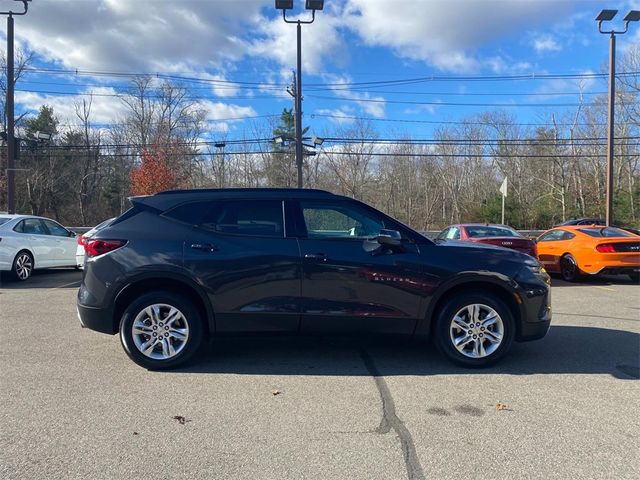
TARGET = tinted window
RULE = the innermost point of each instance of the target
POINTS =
(489, 231)
(339, 221)
(551, 236)
(443, 234)
(243, 217)
(192, 213)
(453, 234)
(605, 232)
(55, 229)
(568, 235)
(33, 226)
(19, 227)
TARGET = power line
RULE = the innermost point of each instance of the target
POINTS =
(444, 122)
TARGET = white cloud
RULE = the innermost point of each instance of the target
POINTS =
(342, 116)
(140, 35)
(373, 105)
(104, 107)
(225, 111)
(546, 43)
(444, 33)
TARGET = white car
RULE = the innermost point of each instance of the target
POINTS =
(28, 242)
(84, 238)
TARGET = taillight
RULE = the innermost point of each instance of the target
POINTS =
(93, 248)
(605, 248)
(82, 240)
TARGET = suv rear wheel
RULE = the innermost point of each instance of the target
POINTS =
(475, 329)
(160, 330)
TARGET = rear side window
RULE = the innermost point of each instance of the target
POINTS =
(33, 226)
(260, 218)
(599, 232)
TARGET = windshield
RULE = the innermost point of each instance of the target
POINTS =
(605, 232)
(489, 231)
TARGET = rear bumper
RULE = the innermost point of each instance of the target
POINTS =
(97, 319)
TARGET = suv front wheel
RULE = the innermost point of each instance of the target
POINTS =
(475, 329)
(160, 330)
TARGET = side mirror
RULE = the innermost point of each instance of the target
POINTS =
(390, 238)
(71, 234)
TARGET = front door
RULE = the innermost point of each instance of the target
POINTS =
(348, 284)
(63, 244)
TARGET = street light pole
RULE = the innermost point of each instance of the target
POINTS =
(312, 5)
(298, 118)
(607, 16)
(611, 127)
(11, 136)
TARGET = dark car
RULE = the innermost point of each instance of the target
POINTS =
(582, 221)
(498, 235)
(183, 265)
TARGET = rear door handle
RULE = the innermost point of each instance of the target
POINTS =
(204, 247)
(320, 257)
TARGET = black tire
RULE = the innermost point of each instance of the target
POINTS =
(569, 269)
(443, 329)
(189, 316)
(22, 266)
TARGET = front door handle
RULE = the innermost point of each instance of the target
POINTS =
(320, 257)
(204, 247)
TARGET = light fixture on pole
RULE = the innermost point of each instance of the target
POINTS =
(11, 80)
(607, 16)
(312, 5)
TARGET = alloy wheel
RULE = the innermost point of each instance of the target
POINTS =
(160, 331)
(24, 266)
(476, 330)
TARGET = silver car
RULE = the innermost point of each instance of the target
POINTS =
(28, 242)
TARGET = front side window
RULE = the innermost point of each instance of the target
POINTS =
(339, 221)
(443, 234)
(552, 236)
(55, 229)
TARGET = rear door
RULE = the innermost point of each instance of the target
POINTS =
(346, 286)
(237, 250)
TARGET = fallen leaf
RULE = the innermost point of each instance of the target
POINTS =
(181, 420)
(501, 406)
(276, 392)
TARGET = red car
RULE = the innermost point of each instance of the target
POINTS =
(500, 235)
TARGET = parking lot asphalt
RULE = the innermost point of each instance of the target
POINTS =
(74, 406)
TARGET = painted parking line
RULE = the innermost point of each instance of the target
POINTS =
(604, 288)
(65, 285)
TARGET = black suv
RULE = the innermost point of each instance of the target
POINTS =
(183, 265)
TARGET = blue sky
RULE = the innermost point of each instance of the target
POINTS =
(241, 55)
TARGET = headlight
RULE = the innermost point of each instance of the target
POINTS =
(537, 270)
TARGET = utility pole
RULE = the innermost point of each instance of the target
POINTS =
(11, 134)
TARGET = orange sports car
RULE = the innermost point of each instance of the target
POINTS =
(577, 250)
